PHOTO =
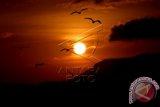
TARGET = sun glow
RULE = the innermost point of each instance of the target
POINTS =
(79, 48)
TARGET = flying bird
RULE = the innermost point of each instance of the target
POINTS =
(65, 49)
(20, 47)
(94, 21)
(79, 12)
(39, 65)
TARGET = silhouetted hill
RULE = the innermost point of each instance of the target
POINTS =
(108, 82)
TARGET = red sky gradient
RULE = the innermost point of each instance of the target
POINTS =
(41, 25)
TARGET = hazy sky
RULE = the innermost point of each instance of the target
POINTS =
(41, 25)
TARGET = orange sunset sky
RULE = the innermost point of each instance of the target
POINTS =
(40, 25)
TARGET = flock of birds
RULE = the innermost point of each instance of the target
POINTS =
(64, 49)
(80, 12)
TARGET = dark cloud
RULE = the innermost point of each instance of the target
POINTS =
(78, 1)
(100, 4)
(146, 28)
(108, 1)
(45, 4)
(22, 5)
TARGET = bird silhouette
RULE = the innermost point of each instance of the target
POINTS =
(94, 21)
(79, 12)
(20, 47)
(65, 49)
(39, 65)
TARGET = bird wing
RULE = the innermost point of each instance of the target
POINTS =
(89, 19)
(98, 21)
(38, 65)
(74, 12)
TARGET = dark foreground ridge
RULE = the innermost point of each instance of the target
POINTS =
(111, 82)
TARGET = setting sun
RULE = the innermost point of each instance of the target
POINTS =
(79, 48)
